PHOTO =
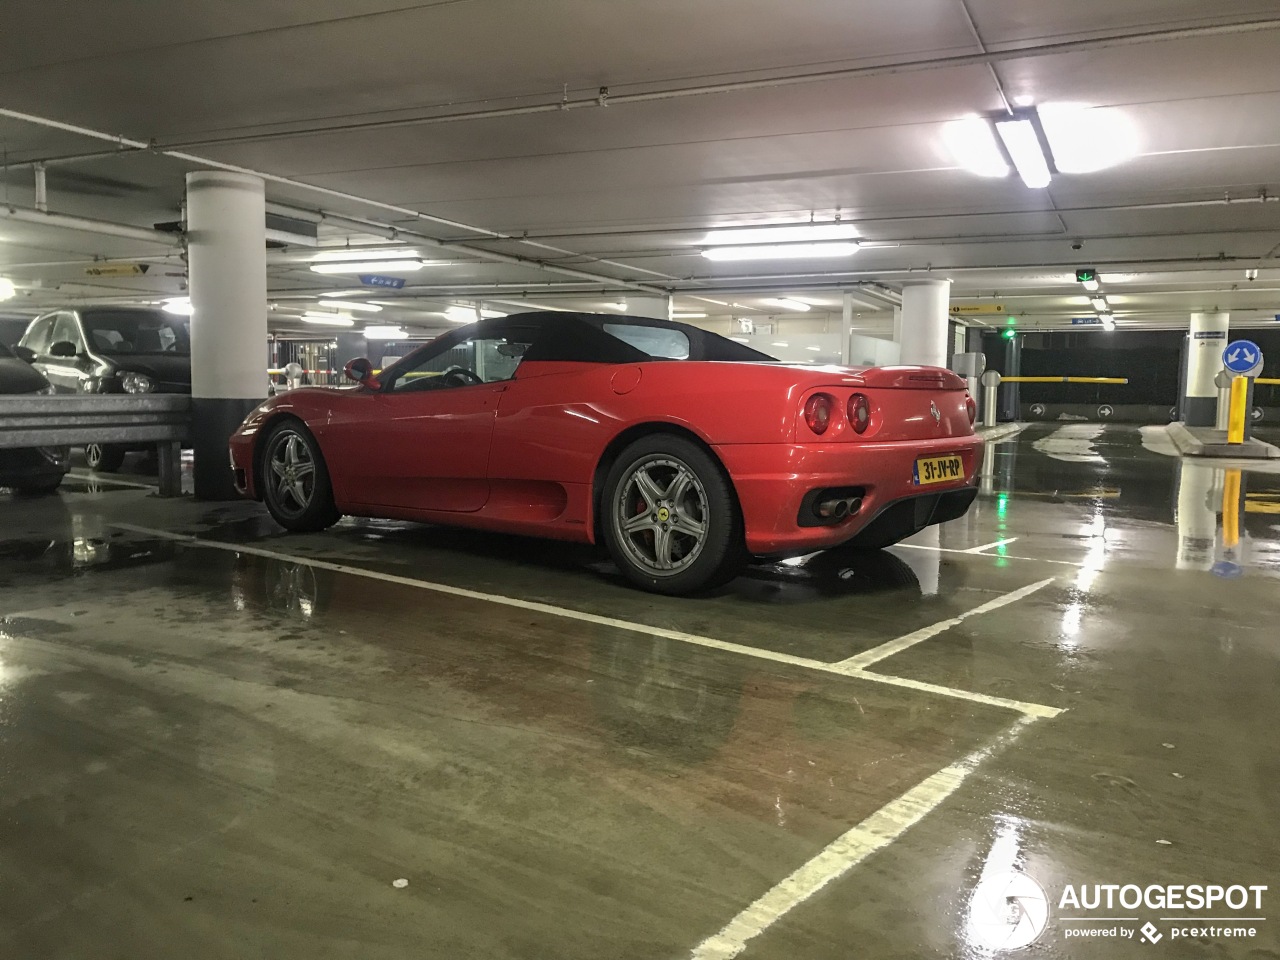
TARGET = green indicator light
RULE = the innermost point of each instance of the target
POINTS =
(1010, 334)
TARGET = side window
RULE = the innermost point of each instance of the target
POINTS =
(37, 336)
(65, 328)
(487, 359)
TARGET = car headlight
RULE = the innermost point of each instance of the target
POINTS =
(137, 383)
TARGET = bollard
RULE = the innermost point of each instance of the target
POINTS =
(991, 383)
(1239, 415)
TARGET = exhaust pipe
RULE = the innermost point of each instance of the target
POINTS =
(837, 508)
(828, 509)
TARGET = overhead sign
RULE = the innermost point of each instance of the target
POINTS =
(1086, 275)
(1086, 321)
(972, 308)
(1209, 335)
(118, 270)
(1242, 357)
(373, 280)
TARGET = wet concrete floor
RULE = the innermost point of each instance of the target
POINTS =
(237, 745)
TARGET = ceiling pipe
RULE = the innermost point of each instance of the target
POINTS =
(1225, 200)
(602, 98)
(477, 252)
(88, 225)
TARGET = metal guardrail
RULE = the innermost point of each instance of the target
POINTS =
(73, 419)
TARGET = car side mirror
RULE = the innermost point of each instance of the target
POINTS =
(24, 353)
(63, 348)
(361, 371)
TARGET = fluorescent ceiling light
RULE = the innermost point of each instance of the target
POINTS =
(793, 233)
(181, 306)
(786, 251)
(355, 253)
(781, 343)
(787, 303)
(740, 339)
(1019, 136)
(461, 314)
(973, 144)
(328, 319)
(1108, 322)
(376, 332)
(1085, 139)
(687, 316)
(7, 290)
(1091, 285)
(621, 306)
(369, 266)
(1099, 304)
(815, 349)
(351, 305)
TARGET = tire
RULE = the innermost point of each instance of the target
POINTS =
(105, 457)
(40, 487)
(684, 491)
(295, 481)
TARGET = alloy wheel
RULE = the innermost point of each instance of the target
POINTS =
(293, 473)
(661, 515)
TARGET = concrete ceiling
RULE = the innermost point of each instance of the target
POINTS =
(725, 112)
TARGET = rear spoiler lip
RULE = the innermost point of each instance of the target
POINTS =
(904, 378)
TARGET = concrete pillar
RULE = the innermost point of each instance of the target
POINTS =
(925, 334)
(897, 325)
(227, 257)
(1205, 343)
(846, 330)
(658, 308)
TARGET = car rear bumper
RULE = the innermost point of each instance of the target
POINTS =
(773, 481)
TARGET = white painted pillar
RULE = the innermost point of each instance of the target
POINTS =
(924, 322)
(897, 325)
(846, 330)
(227, 258)
(657, 308)
(1199, 492)
(1204, 360)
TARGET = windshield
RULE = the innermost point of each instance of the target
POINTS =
(136, 331)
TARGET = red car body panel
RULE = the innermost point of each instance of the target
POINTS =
(524, 455)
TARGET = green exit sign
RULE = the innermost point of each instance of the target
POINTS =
(1086, 275)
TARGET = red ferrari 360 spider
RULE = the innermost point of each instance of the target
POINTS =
(685, 452)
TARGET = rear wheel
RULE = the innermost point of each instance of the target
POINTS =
(107, 457)
(670, 518)
(295, 482)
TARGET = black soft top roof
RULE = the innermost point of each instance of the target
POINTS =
(582, 337)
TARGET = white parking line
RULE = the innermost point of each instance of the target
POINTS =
(988, 546)
(1027, 709)
(970, 552)
(835, 860)
(98, 478)
(876, 654)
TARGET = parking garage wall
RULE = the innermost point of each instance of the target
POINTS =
(1151, 361)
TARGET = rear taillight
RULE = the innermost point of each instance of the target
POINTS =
(859, 410)
(817, 412)
(971, 408)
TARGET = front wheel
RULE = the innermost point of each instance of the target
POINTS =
(295, 482)
(670, 518)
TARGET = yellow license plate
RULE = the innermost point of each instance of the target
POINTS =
(937, 470)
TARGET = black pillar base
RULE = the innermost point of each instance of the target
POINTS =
(1200, 411)
(213, 420)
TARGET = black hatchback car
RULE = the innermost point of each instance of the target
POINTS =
(110, 350)
(28, 469)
